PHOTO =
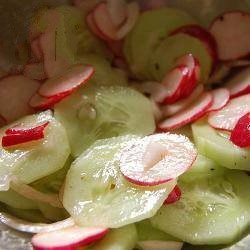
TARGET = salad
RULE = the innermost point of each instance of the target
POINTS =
(126, 126)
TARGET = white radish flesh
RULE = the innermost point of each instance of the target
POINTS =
(221, 97)
(117, 10)
(35, 71)
(36, 49)
(227, 118)
(15, 93)
(190, 114)
(157, 159)
(38, 102)
(231, 32)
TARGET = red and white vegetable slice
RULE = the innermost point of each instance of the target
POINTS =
(15, 93)
(174, 196)
(36, 49)
(173, 84)
(68, 82)
(29, 227)
(157, 159)
(133, 12)
(221, 97)
(35, 71)
(68, 238)
(172, 109)
(240, 83)
(231, 32)
(160, 245)
(240, 135)
(192, 113)
(15, 136)
(38, 102)
(227, 118)
(104, 22)
(203, 35)
(117, 10)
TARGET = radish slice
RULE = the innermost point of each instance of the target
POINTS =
(173, 84)
(16, 136)
(86, 5)
(15, 93)
(203, 35)
(227, 118)
(239, 84)
(221, 97)
(68, 238)
(133, 12)
(157, 159)
(172, 109)
(232, 29)
(240, 136)
(174, 196)
(68, 82)
(117, 10)
(104, 23)
(35, 71)
(188, 115)
(36, 49)
(160, 245)
(29, 227)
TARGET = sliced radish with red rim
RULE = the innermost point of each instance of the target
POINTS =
(117, 10)
(156, 159)
(24, 130)
(174, 196)
(190, 114)
(231, 32)
(227, 118)
(221, 97)
(239, 84)
(240, 135)
(68, 238)
(68, 82)
(38, 102)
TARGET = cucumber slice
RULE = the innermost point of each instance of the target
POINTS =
(123, 238)
(150, 29)
(146, 231)
(211, 211)
(98, 113)
(95, 186)
(219, 148)
(202, 167)
(15, 200)
(52, 213)
(164, 57)
(32, 161)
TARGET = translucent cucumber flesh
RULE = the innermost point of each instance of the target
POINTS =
(95, 186)
(211, 211)
(32, 161)
(150, 29)
(218, 148)
(166, 54)
(99, 113)
(123, 238)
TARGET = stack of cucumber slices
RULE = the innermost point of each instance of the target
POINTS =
(128, 128)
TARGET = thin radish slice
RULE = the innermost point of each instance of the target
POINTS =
(117, 10)
(192, 113)
(36, 49)
(239, 84)
(221, 97)
(68, 238)
(174, 196)
(104, 23)
(168, 110)
(232, 29)
(15, 93)
(160, 245)
(29, 227)
(133, 12)
(203, 35)
(157, 159)
(68, 82)
(173, 84)
(240, 135)
(35, 71)
(227, 118)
